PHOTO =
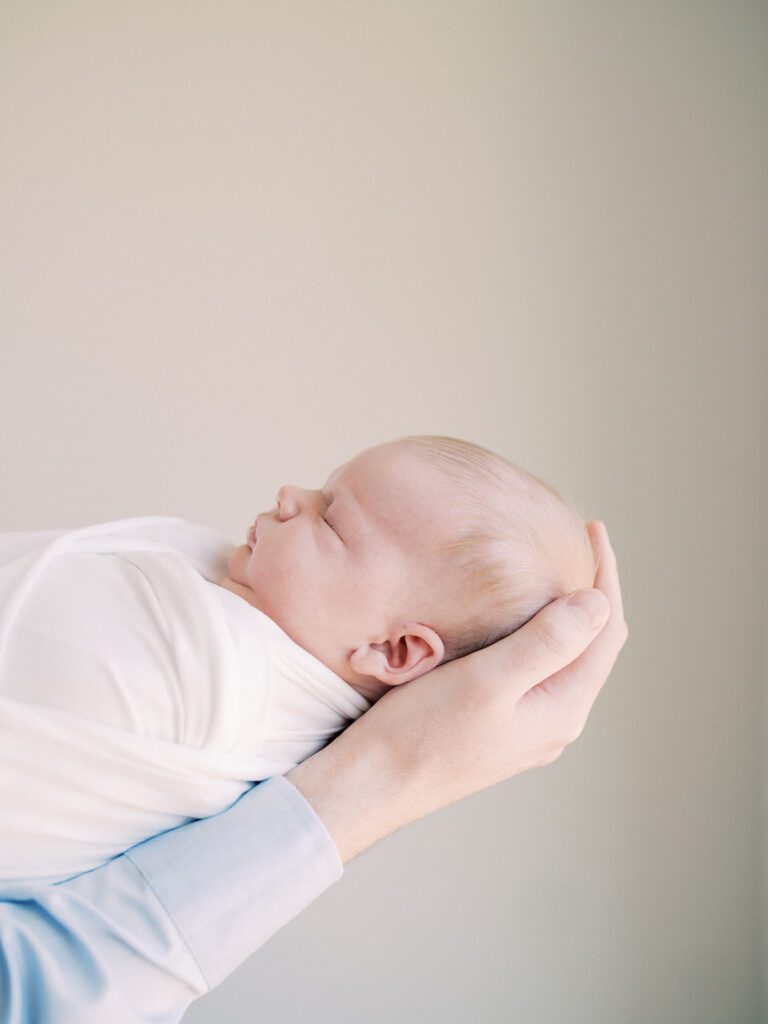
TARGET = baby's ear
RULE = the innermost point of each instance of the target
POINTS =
(410, 652)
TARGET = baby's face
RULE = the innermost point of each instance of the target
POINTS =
(348, 564)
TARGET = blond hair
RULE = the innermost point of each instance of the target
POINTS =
(516, 544)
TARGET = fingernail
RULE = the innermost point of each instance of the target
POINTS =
(590, 607)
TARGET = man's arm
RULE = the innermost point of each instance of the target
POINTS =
(143, 936)
(140, 938)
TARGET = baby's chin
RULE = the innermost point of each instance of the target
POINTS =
(237, 559)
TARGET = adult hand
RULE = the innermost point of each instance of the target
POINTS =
(472, 722)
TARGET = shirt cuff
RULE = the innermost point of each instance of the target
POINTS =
(231, 881)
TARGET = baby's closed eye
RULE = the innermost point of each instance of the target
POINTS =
(328, 522)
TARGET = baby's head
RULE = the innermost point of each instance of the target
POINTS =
(413, 553)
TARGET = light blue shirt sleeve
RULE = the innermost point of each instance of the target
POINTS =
(140, 938)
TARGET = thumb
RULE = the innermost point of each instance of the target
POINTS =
(557, 635)
(589, 607)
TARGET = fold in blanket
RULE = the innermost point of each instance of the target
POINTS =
(136, 694)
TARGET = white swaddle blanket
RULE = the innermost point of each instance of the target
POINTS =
(136, 694)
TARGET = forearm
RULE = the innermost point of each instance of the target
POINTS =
(140, 938)
(99, 949)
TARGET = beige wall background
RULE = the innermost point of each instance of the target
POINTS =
(243, 240)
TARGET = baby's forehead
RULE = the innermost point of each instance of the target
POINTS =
(398, 489)
(383, 464)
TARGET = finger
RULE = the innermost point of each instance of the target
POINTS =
(584, 677)
(576, 687)
(548, 642)
(607, 576)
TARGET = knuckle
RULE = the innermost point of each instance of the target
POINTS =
(554, 640)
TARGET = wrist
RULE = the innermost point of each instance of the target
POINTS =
(352, 785)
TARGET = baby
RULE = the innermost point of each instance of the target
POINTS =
(150, 673)
(413, 553)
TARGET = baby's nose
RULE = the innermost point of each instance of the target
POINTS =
(287, 502)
